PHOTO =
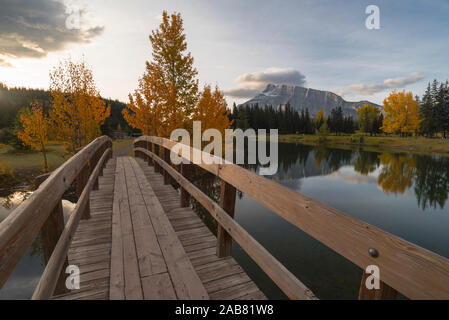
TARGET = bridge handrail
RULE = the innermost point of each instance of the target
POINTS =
(49, 278)
(404, 267)
(22, 225)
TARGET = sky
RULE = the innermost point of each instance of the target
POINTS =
(238, 45)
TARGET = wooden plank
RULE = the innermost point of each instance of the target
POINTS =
(185, 280)
(132, 288)
(149, 253)
(235, 292)
(117, 280)
(158, 287)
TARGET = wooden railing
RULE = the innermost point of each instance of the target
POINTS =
(44, 206)
(404, 267)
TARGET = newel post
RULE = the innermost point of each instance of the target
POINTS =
(186, 171)
(227, 202)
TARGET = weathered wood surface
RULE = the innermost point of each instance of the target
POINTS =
(154, 265)
(411, 270)
(223, 278)
(131, 248)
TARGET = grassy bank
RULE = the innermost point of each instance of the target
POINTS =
(390, 143)
(27, 164)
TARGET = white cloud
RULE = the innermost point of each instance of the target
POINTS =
(250, 84)
(392, 83)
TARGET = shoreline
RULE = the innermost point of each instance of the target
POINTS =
(416, 145)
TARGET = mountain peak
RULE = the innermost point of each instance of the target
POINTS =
(302, 98)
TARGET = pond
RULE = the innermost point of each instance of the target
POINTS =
(404, 194)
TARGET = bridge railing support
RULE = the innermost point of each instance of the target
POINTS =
(404, 267)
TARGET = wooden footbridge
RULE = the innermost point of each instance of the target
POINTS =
(134, 236)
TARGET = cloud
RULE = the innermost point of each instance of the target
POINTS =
(4, 63)
(250, 84)
(369, 89)
(32, 29)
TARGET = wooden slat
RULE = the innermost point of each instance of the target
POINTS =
(132, 288)
(149, 253)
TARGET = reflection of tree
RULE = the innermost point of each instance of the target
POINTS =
(366, 162)
(432, 181)
(397, 174)
(335, 158)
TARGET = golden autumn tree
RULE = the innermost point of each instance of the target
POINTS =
(36, 126)
(401, 113)
(320, 119)
(168, 90)
(368, 117)
(78, 110)
(212, 110)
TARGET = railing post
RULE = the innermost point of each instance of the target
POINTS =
(150, 148)
(81, 182)
(385, 292)
(186, 171)
(156, 152)
(50, 233)
(166, 156)
(227, 202)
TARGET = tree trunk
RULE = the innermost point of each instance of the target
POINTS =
(44, 153)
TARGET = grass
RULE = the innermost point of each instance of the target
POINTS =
(121, 143)
(387, 143)
(26, 162)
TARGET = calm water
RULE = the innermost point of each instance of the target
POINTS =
(401, 193)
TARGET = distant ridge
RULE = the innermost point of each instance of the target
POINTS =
(302, 98)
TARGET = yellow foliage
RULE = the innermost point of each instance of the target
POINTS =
(401, 113)
(212, 111)
(168, 91)
(78, 109)
(368, 114)
(397, 173)
(35, 131)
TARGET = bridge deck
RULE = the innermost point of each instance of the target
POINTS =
(140, 244)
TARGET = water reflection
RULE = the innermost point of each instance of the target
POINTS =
(28, 271)
(386, 189)
(427, 176)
